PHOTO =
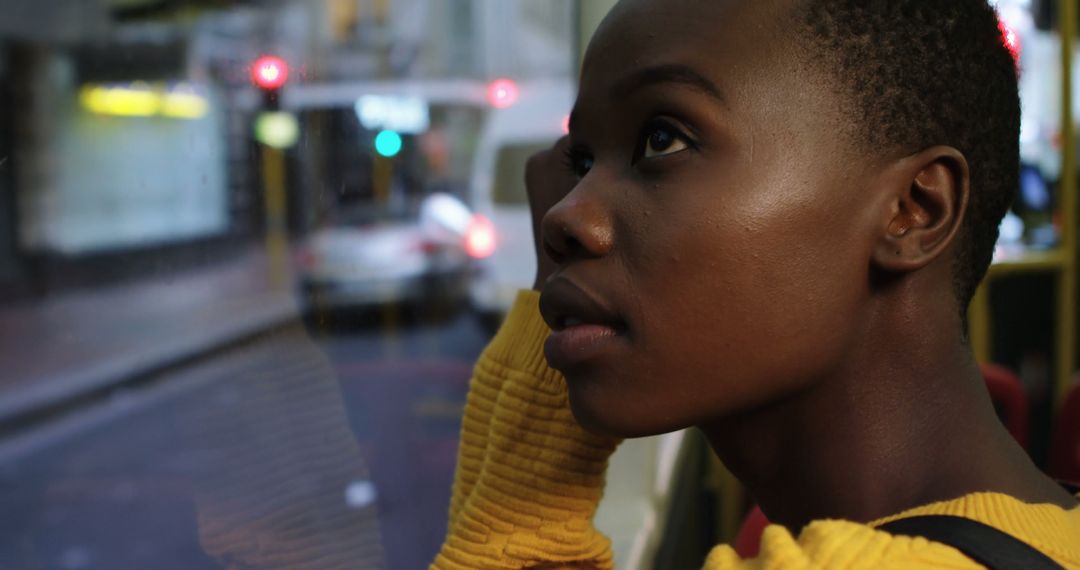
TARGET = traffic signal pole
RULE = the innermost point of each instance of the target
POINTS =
(269, 73)
(276, 241)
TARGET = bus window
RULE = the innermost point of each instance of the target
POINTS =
(510, 173)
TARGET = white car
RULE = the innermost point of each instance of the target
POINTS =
(497, 190)
(369, 256)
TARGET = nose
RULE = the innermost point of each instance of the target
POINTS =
(578, 227)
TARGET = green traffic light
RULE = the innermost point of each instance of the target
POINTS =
(388, 143)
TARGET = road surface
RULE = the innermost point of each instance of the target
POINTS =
(302, 449)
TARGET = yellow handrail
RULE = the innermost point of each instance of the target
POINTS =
(1066, 321)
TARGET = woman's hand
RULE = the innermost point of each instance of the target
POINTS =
(547, 181)
(529, 478)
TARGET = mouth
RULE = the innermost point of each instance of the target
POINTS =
(569, 321)
(564, 305)
(583, 327)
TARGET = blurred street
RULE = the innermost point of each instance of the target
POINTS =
(187, 188)
(64, 347)
(289, 449)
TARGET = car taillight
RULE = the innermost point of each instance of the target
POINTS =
(429, 247)
(480, 237)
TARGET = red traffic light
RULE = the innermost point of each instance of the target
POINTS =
(503, 93)
(269, 72)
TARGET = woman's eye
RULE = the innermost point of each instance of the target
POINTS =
(578, 161)
(663, 140)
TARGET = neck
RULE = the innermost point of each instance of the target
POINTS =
(905, 422)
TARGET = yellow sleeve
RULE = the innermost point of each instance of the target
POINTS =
(829, 544)
(528, 477)
(840, 545)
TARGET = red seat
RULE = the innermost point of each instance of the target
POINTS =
(1010, 400)
(1065, 442)
(748, 541)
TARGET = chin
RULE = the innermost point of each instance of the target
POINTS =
(600, 416)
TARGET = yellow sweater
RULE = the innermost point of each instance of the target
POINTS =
(529, 479)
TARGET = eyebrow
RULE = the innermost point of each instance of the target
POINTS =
(668, 73)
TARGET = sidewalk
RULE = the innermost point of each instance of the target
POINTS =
(63, 347)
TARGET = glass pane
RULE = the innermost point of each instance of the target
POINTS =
(1022, 306)
(249, 252)
(509, 186)
(1034, 37)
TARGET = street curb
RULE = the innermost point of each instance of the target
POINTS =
(60, 392)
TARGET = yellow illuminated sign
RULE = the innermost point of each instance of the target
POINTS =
(184, 105)
(143, 100)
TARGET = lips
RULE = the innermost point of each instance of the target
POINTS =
(563, 304)
(583, 328)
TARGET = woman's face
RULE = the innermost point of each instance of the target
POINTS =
(716, 235)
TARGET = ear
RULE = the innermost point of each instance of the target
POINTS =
(927, 197)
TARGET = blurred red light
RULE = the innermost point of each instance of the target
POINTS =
(270, 72)
(1010, 38)
(503, 93)
(428, 247)
(566, 125)
(480, 237)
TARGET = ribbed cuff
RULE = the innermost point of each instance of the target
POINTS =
(519, 344)
(529, 477)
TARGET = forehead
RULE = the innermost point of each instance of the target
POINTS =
(770, 86)
(715, 36)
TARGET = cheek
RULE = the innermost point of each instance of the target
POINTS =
(750, 303)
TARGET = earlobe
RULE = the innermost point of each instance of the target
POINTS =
(928, 193)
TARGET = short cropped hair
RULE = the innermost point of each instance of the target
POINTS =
(919, 73)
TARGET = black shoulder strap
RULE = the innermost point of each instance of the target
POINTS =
(984, 544)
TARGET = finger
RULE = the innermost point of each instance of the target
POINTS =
(546, 175)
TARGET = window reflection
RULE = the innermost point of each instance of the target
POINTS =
(242, 296)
